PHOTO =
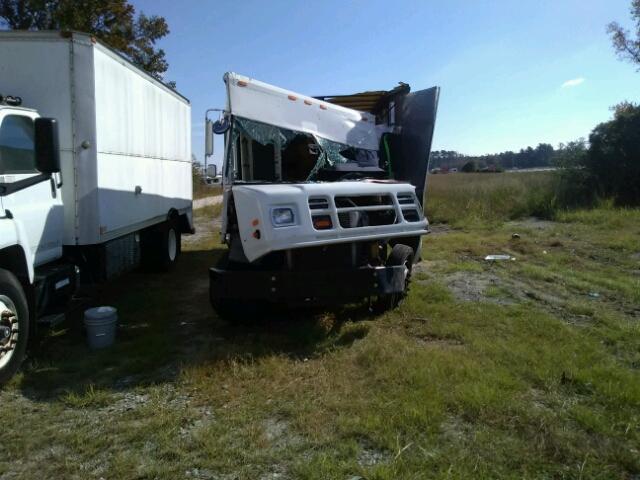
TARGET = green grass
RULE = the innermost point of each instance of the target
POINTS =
(488, 370)
(202, 190)
(481, 198)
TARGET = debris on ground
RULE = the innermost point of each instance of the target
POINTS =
(498, 257)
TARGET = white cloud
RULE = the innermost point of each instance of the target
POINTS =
(574, 82)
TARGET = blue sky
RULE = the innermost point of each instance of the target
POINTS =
(501, 65)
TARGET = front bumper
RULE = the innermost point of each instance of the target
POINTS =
(325, 286)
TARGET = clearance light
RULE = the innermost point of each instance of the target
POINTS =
(242, 83)
(293, 98)
(307, 102)
(322, 222)
(323, 107)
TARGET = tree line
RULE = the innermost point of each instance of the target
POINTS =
(543, 155)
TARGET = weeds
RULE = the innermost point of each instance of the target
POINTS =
(489, 198)
(529, 377)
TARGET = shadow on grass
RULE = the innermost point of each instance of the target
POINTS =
(166, 323)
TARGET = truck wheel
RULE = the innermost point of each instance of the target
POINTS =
(161, 246)
(171, 245)
(400, 255)
(231, 310)
(14, 325)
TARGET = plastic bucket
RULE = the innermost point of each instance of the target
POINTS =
(100, 323)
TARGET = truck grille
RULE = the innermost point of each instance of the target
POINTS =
(355, 211)
(318, 203)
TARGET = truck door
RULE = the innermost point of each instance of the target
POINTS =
(36, 210)
(415, 114)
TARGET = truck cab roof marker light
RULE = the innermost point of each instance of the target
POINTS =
(242, 83)
(308, 102)
(323, 107)
(293, 98)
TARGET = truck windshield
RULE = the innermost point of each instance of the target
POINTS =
(268, 154)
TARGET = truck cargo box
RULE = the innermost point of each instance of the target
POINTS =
(125, 137)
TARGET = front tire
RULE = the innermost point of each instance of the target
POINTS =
(232, 310)
(14, 325)
(401, 255)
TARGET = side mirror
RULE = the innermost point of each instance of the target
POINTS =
(208, 138)
(212, 170)
(47, 145)
(221, 125)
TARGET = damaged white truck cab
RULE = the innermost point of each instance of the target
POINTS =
(323, 196)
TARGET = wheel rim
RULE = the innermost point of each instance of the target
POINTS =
(9, 330)
(172, 245)
(399, 297)
(407, 276)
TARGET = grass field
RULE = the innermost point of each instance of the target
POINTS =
(481, 198)
(521, 369)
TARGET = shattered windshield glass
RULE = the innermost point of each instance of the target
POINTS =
(326, 154)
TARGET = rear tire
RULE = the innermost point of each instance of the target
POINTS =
(14, 325)
(400, 255)
(161, 246)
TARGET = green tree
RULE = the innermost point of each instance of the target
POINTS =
(114, 22)
(469, 167)
(575, 184)
(627, 44)
(613, 158)
(543, 154)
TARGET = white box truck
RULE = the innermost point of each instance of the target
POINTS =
(95, 175)
(323, 196)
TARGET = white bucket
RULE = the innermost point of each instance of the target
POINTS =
(100, 323)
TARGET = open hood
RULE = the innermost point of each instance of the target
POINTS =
(410, 117)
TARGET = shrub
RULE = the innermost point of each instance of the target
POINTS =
(609, 169)
(574, 185)
(469, 167)
(613, 158)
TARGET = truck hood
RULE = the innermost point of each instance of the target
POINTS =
(358, 210)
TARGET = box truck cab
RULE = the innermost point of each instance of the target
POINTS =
(95, 176)
(323, 196)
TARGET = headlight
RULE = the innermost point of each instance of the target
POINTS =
(282, 217)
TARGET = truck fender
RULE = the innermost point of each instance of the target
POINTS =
(15, 253)
(184, 220)
(13, 259)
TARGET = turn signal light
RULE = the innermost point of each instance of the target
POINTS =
(322, 222)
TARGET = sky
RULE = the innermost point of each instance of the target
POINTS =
(512, 73)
